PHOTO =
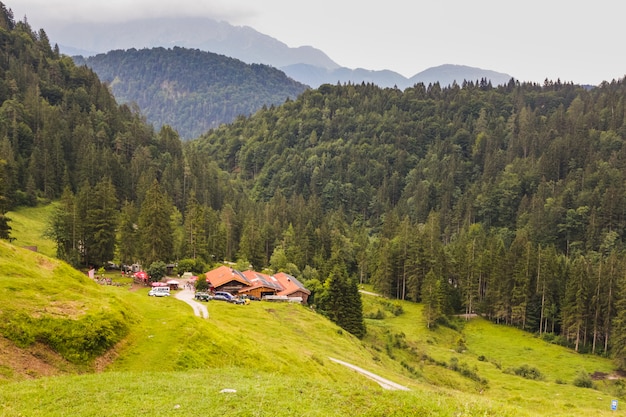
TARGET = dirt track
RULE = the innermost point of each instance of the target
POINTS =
(385, 383)
(199, 309)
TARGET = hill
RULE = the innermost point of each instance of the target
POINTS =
(273, 358)
(188, 89)
(54, 319)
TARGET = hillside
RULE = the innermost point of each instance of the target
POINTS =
(275, 356)
(190, 90)
(55, 320)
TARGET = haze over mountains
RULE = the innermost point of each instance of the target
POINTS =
(305, 64)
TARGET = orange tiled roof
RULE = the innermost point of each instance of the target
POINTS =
(290, 284)
(259, 280)
(225, 274)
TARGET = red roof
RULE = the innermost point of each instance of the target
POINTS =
(259, 280)
(290, 284)
(225, 274)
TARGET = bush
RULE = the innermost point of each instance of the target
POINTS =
(526, 371)
(202, 284)
(196, 266)
(156, 271)
(583, 380)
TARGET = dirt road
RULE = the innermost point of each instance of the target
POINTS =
(199, 309)
(385, 383)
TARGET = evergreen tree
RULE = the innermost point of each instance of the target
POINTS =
(100, 223)
(618, 340)
(155, 227)
(5, 229)
(433, 298)
(63, 228)
(128, 234)
(341, 302)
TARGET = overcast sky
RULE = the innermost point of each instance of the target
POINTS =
(531, 40)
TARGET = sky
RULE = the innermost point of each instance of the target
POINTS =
(531, 40)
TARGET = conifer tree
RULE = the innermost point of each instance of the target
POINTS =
(155, 227)
(342, 302)
(100, 222)
(433, 298)
(129, 237)
(4, 221)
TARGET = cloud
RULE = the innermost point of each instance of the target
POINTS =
(43, 11)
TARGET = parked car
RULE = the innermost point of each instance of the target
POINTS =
(249, 297)
(222, 296)
(202, 296)
(240, 300)
(159, 292)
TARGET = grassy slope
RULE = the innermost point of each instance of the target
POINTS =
(28, 225)
(275, 356)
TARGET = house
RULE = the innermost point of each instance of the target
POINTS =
(227, 279)
(280, 286)
(291, 287)
(260, 284)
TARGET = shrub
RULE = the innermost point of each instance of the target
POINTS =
(526, 371)
(583, 380)
(157, 270)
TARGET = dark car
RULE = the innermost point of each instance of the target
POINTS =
(202, 296)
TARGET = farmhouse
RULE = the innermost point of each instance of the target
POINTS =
(260, 284)
(280, 285)
(227, 279)
(292, 287)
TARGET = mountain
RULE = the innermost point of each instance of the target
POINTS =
(444, 74)
(241, 42)
(188, 89)
(305, 64)
(316, 76)
(448, 74)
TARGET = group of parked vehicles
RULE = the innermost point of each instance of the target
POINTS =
(205, 296)
(224, 296)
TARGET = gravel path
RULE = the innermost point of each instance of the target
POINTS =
(385, 383)
(199, 309)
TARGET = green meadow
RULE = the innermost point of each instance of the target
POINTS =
(72, 347)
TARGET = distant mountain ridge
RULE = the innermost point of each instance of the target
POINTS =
(445, 75)
(188, 89)
(305, 64)
(240, 42)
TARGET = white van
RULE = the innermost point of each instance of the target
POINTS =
(159, 292)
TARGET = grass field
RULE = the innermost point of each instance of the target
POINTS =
(72, 347)
(28, 225)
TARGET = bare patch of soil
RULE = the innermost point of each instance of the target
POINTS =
(600, 376)
(34, 362)
(135, 286)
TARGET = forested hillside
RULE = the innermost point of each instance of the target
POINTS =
(507, 201)
(189, 89)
